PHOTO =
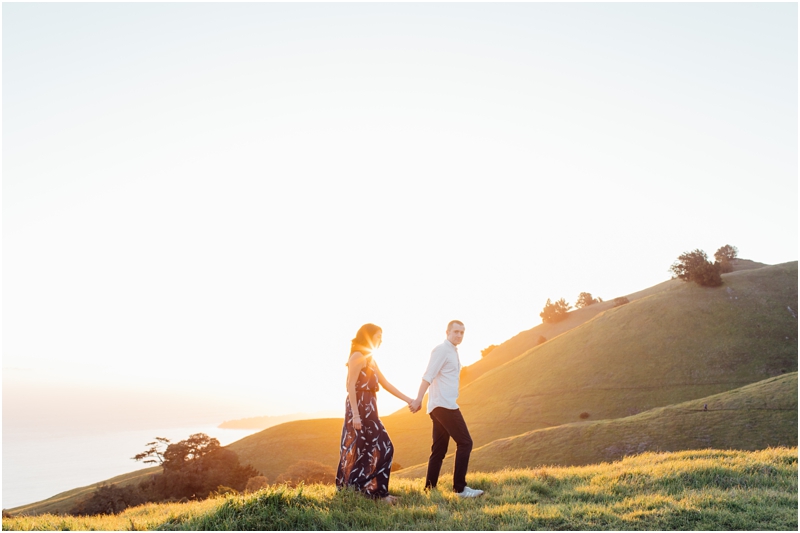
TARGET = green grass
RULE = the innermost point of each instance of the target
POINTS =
(689, 490)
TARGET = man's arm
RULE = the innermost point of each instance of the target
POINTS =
(416, 405)
(435, 365)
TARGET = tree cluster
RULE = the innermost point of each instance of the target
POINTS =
(110, 499)
(555, 312)
(585, 299)
(695, 266)
(192, 469)
(486, 351)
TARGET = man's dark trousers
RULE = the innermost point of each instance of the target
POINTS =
(449, 423)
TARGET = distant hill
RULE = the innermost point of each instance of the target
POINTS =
(279, 447)
(264, 422)
(753, 417)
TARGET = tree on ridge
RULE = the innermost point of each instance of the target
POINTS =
(725, 257)
(555, 312)
(585, 299)
(695, 266)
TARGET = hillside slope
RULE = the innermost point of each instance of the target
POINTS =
(753, 417)
(668, 347)
(528, 339)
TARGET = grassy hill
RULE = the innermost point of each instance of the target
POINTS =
(753, 417)
(672, 343)
(691, 490)
(526, 340)
(665, 347)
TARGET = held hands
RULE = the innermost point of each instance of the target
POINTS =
(415, 405)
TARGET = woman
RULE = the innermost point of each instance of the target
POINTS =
(366, 453)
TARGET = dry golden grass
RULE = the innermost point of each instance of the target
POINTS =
(143, 517)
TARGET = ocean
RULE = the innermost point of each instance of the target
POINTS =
(38, 463)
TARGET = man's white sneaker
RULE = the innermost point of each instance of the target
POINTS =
(470, 493)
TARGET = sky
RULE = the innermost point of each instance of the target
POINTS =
(203, 202)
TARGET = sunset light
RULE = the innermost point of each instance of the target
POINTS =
(203, 202)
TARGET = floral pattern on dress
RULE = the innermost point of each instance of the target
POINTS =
(366, 455)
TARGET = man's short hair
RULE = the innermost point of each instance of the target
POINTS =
(450, 325)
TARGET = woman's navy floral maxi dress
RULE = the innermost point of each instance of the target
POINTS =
(366, 459)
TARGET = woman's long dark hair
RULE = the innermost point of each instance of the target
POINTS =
(363, 340)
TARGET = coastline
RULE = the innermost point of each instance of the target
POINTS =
(41, 463)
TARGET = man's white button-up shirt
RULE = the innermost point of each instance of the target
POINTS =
(443, 373)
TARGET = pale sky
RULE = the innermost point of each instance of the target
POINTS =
(203, 202)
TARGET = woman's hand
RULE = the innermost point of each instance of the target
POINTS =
(411, 406)
(415, 406)
(357, 423)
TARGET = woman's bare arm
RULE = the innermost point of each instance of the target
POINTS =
(389, 387)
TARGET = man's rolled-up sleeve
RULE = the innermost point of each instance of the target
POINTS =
(434, 365)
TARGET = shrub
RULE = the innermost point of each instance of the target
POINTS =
(488, 350)
(541, 340)
(584, 415)
(222, 490)
(307, 472)
(109, 499)
(620, 300)
(396, 466)
(256, 483)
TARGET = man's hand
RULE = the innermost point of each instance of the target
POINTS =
(415, 406)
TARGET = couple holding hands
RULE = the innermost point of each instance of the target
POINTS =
(366, 449)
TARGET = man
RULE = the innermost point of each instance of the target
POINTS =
(442, 377)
